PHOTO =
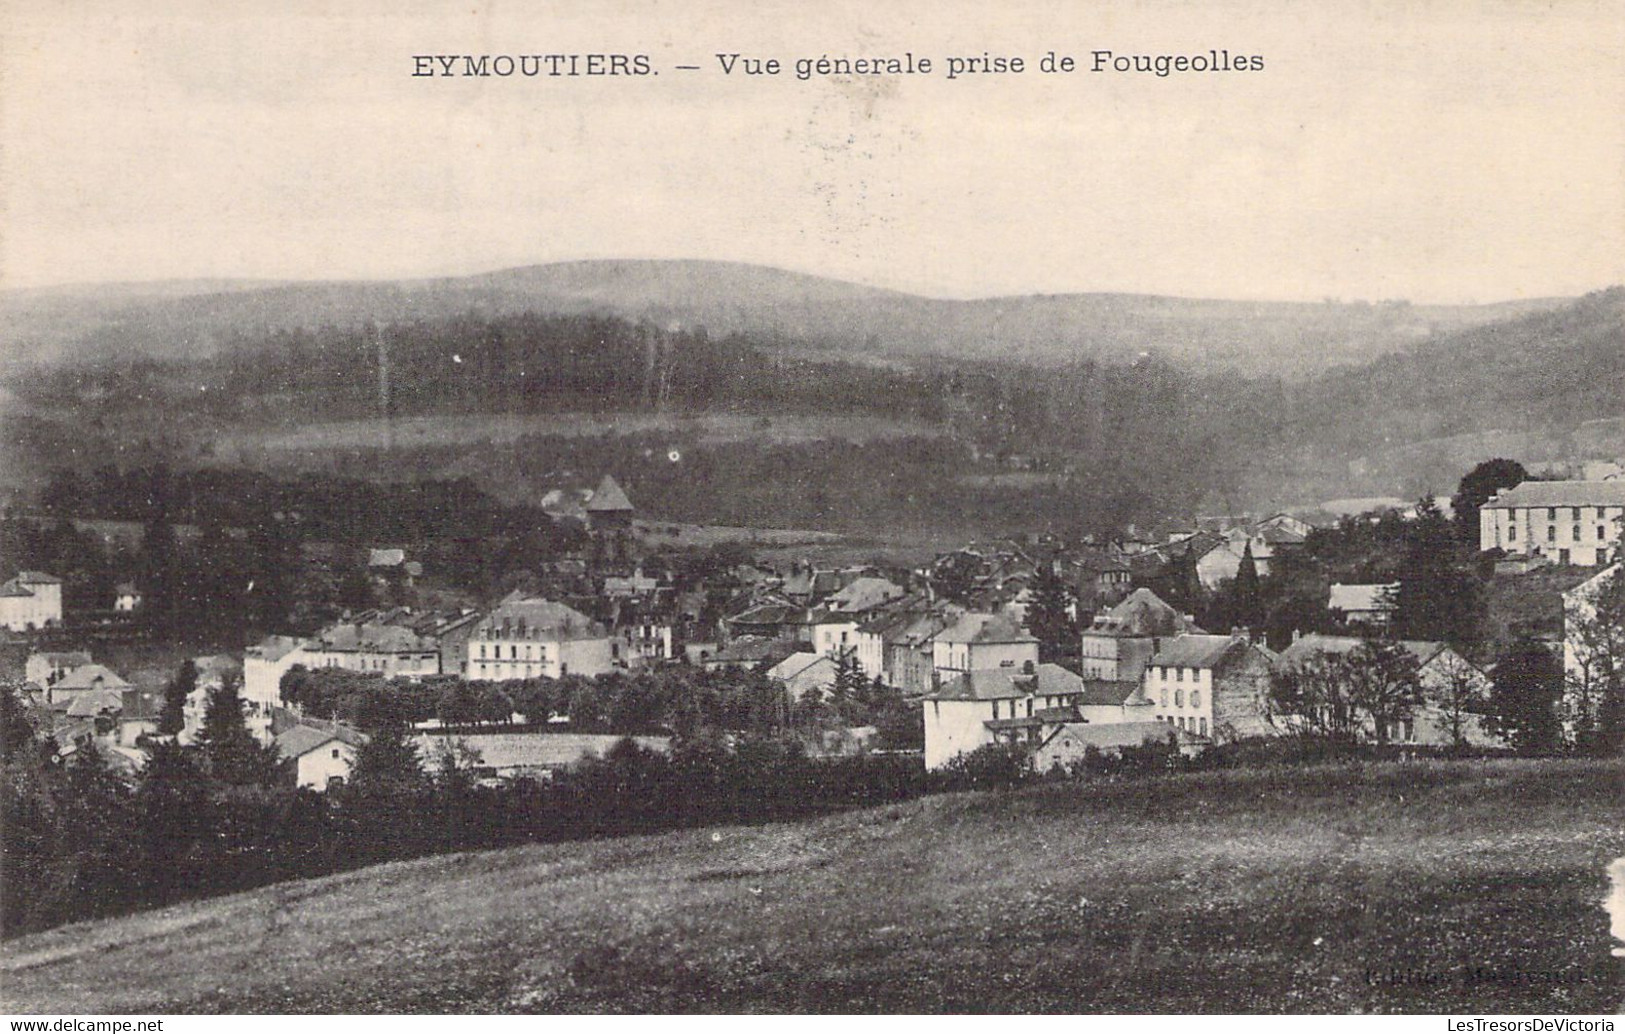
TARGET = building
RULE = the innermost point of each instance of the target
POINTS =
(609, 509)
(1119, 643)
(863, 595)
(801, 673)
(388, 650)
(320, 756)
(1572, 522)
(1593, 646)
(126, 597)
(31, 601)
(521, 754)
(44, 669)
(1069, 744)
(86, 678)
(1440, 671)
(1364, 606)
(1212, 685)
(264, 664)
(982, 642)
(970, 711)
(529, 637)
(1019, 707)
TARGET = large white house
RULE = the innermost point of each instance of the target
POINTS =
(1570, 522)
(31, 601)
(530, 637)
(982, 642)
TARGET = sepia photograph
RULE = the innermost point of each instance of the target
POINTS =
(726, 508)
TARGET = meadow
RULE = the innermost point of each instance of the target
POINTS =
(1471, 887)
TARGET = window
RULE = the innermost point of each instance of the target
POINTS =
(1203, 723)
(1179, 698)
(1164, 700)
(1602, 533)
(1512, 533)
(1551, 533)
(482, 651)
(335, 752)
(1551, 513)
(1576, 533)
(1179, 674)
(1196, 698)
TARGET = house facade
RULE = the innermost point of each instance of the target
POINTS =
(982, 642)
(31, 601)
(1120, 642)
(1570, 522)
(530, 637)
(1441, 671)
(1211, 686)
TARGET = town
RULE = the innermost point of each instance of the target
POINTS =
(1498, 629)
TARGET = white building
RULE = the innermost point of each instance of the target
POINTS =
(320, 757)
(31, 601)
(1211, 685)
(530, 637)
(982, 642)
(1572, 522)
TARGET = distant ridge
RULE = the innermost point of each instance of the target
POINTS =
(1291, 339)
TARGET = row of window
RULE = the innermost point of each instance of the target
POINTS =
(1179, 674)
(1575, 533)
(1575, 513)
(1179, 697)
(1186, 722)
(532, 652)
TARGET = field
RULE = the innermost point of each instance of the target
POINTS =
(496, 428)
(1468, 887)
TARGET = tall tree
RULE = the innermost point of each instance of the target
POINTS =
(172, 719)
(1385, 686)
(1249, 600)
(1049, 616)
(1593, 705)
(1439, 597)
(230, 752)
(1525, 685)
(1476, 488)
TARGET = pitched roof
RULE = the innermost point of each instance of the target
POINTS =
(1142, 613)
(540, 616)
(608, 497)
(797, 665)
(371, 638)
(1562, 493)
(1307, 646)
(302, 739)
(1115, 735)
(273, 648)
(992, 684)
(89, 705)
(1197, 651)
(15, 590)
(984, 628)
(86, 676)
(864, 594)
(37, 578)
(1351, 599)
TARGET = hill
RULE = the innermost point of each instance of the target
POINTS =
(191, 317)
(1426, 887)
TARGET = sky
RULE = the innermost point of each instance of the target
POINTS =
(1442, 152)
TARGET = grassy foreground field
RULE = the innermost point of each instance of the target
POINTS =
(1473, 887)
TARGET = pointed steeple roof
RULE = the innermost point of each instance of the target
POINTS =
(609, 497)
